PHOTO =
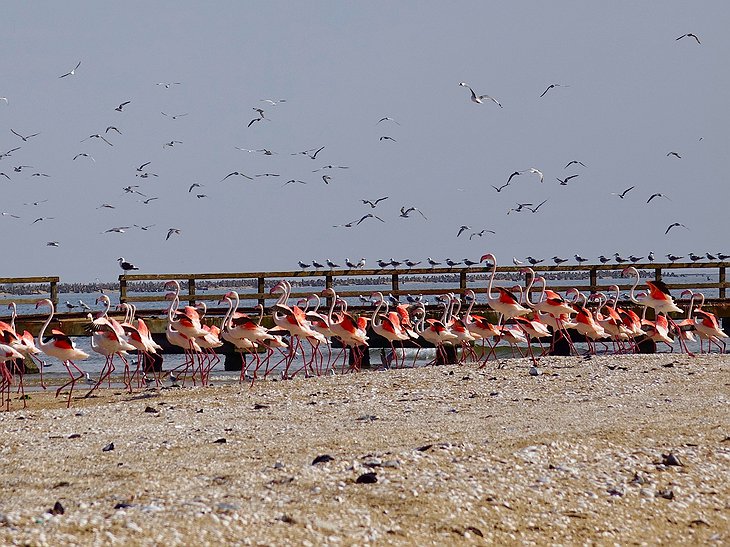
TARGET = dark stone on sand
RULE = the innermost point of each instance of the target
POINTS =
(367, 478)
(75, 436)
(108, 448)
(57, 509)
(222, 440)
(671, 459)
(123, 505)
(151, 410)
(324, 458)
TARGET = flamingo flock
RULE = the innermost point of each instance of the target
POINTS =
(312, 343)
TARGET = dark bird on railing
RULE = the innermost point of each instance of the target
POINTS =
(452, 263)
(350, 264)
(674, 258)
(603, 259)
(650, 256)
(395, 263)
(710, 257)
(559, 260)
(331, 264)
(694, 258)
(633, 258)
(673, 225)
(619, 258)
(580, 259)
(303, 265)
(317, 264)
(383, 263)
(469, 263)
(432, 262)
(411, 264)
(722, 256)
(126, 266)
(534, 261)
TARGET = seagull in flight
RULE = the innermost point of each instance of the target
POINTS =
(19, 168)
(97, 136)
(564, 182)
(406, 212)
(52, 244)
(144, 228)
(172, 231)
(174, 116)
(690, 35)
(462, 229)
(40, 219)
(72, 72)
(331, 167)
(141, 167)
(85, 155)
(387, 138)
(290, 181)
(168, 84)
(534, 209)
(369, 215)
(501, 187)
(112, 128)
(194, 185)
(309, 152)
(536, 172)
(25, 139)
(273, 102)
(657, 195)
(237, 174)
(122, 105)
(373, 204)
(481, 233)
(574, 161)
(171, 144)
(131, 190)
(387, 118)
(516, 173)
(551, 86)
(479, 99)
(118, 230)
(9, 152)
(674, 154)
(6, 176)
(622, 195)
(674, 225)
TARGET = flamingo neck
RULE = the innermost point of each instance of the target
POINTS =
(42, 332)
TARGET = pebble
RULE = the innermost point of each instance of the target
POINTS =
(108, 448)
(367, 478)
(324, 458)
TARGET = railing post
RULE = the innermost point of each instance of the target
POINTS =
(395, 284)
(54, 292)
(593, 279)
(721, 279)
(657, 274)
(122, 289)
(462, 282)
(261, 289)
(191, 291)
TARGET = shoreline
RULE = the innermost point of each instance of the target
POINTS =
(461, 455)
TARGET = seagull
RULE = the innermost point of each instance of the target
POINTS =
(309, 152)
(406, 212)
(694, 258)
(25, 139)
(194, 185)
(326, 179)
(462, 228)
(633, 258)
(432, 262)
(387, 118)
(373, 203)
(9, 152)
(303, 265)
(383, 263)
(674, 154)
(501, 187)
(174, 116)
(126, 266)
(564, 182)
(657, 195)
(513, 175)
(168, 84)
(110, 128)
(237, 174)
(171, 144)
(6, 176)
(265, 151)
(36, 203)
(273, 102)
(516, 262)
(519, 207)
(72, 72)
(481, 233)
(147, 201)
(534, 209)
(350, 264)
(722, 256)
(52, 244)
(394, 262)
(574, 161)
(551, 86)
(479, 99)
(131, 190)
(580, 259)
(369, 215)
(117, 229)
(40, 219)
(6, 101)
(6, 214)
(689, 34)
(710, 257)
(619, 258)
(603, 259)
(534, 261)
(361, 263)
(622, 195)
(85, 155)
(559, 260)
(290, 181)
(40, 175)
(201, 196)
(411, 264)
(452, 263)
(317, 264)
(141, 167)
(254, 120)
(469, 263)
(330, 167)
(331, 264)
(536, 172)
(145, 228)
(387, 138)
(650, 256)
(121, 106)
(172, 231)
(105, 206)
(97, 136)
(674, 258)
(267, 175)
(673, 225)
(84, 305)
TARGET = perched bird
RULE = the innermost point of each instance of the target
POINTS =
(469, 263)
(411, 263)
(303, 265)
(373, 203)
(383, 263)
(331, 264)
(349, 264)
(317, 264)
(635, 259)
(121, 106)
(710, 257)
(432, 262)
(534, 261)
(674, 224)
(395, 263)
(694, 258)
(479, 99)
(172, 231)
(657, 195)
(70, 306)
(690, 35)
(650, 256)
(126, 266)
(361, 263)
(674, 258)
(559, 260)
(603, 259)
(452, 263)
(72, 71)
(580, 259)
(618, 258)
(462, 228)
(722, 256)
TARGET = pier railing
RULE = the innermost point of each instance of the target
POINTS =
(51, 282)
(463, 279)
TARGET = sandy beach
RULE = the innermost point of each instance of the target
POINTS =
(612, 450)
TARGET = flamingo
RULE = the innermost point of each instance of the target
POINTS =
(708, 328)
(231, 335)
(7, 353)
(551, 309)
(387, 324)
(478, 325)
(180, 339)
(437, 332)
(348, 329)
(62, 348)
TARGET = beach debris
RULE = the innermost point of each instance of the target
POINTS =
(323, 458)
(222, 440)
(123, 505)
(671, 459)
(288, 519)
(534, 371)
(75, 436)
(57, 509)
(151, 410)
(367, 478)
(259, 406)
(424, 448)
(61, 484)
(225, 507)
(367, 418)
(667, 494)
(108, 448)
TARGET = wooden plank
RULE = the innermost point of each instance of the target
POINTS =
(23, 280)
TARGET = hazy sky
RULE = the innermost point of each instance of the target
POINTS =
(632, 93)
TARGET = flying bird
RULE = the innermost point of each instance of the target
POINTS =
(574, 161)
(622, 195)
(387, 118)
(273, 102)
(406, 212)
(52, 244)
(145, 228)
(72, 72)
(479, 99)
(290, 181)
(551, 86)
(194, 185)
(463, 228)
(171, 144)
(674, 154)
(657, 195)
(254, 120)
(674, 224)
(373, 203)
(237, 174)
(172, 231)
(6, 176)
(122, 105)
(369, 215)
(690, 35)
(174, 116)
(481, 233)
(168, 84)
(536, 172)
(387, 138)
(85, 155)
(564, 182)
(117, 229)
(309, 152)
(513, 175)
(25, 139)
(97, 136)
(141, 167)
(501, 187)
(40, 219)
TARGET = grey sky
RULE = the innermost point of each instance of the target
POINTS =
(635, 93)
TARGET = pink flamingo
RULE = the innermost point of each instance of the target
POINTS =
(7, 353)
(708, 328)
(387, 325)
(62, 348)
(348, 329)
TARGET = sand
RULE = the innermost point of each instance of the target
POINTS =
(611, 450)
